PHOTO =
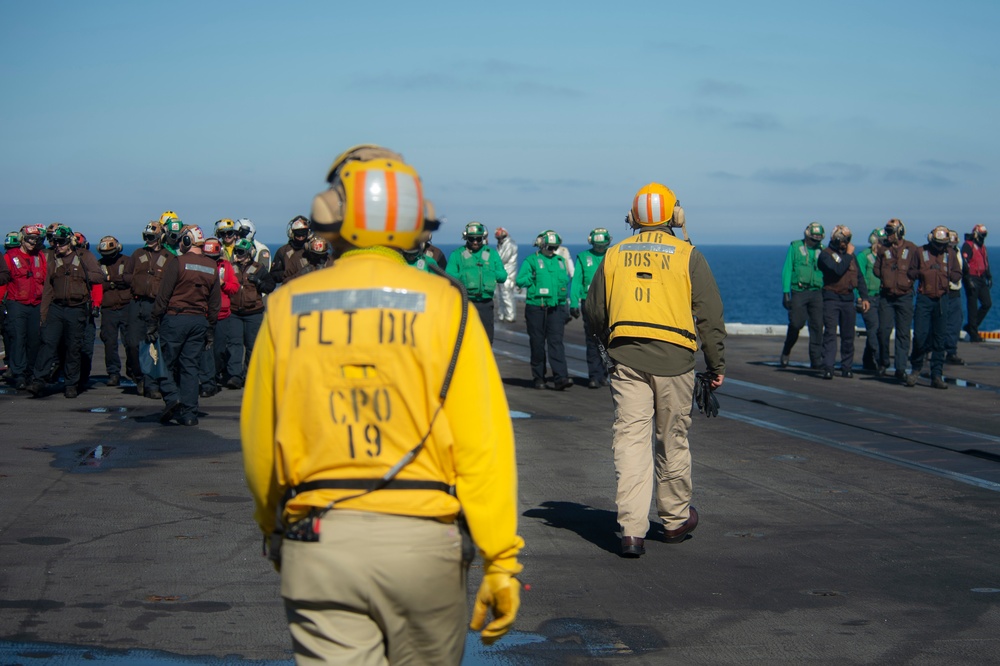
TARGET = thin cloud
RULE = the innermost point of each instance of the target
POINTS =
(911, 177)
(967, 167)
(724, 175)
(825, 172)
(418, 81)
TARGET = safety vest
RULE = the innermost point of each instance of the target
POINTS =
(117, 294)
(805, 273)
(978, 262)
(648, 289)
(195, 279)
(27, 276)
(475, 270)
(147, 271)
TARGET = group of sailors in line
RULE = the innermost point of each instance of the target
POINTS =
(893, 284)
(56, 293)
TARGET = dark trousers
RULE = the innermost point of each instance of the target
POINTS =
(978, 302)
(114, 326)
(595, 367)
(64, 327)
(140, 314)
(182, 341)
(25, 340)
(207, 379)
(869, 358)
(485, 310)
(87, 349)
(930, 329)
(807, 308)
(248, 327)
(838, 313)
(228, 348)
(3, 330)
(545, 334)
(954, 321)
(894, 312)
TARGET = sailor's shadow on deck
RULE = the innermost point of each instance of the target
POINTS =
(598, 526)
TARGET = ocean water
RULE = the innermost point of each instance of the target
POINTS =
(749, 279)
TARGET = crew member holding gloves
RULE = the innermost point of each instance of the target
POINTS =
(351, 447)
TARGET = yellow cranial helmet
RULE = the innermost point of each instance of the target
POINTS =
(653, 205)
(168, 215)
(374, 199)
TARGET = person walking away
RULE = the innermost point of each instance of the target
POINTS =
(507, 249)
(954, 322)
(935, 266)
(588, 263)
(841, 277)
(28, 269)
(866, 261)
(801, 286)
(247, 304)
(652, 299)
(73, 290)
(892, 267)
(118, 270)
(545, 276)
(479, 269)
(374, 425)
(148, 263)
(978, 280)
(290, 257)
(184, 318)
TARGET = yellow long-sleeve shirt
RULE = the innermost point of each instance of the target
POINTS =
(345, 380)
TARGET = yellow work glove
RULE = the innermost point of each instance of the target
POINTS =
(501, 593)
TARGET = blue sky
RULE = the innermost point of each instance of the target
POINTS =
(761, 116)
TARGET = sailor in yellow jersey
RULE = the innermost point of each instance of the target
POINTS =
(374, 421)
(651, 300)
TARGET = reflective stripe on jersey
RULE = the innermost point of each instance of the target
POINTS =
(359, 299)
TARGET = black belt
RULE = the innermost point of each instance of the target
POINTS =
(367, 485)
(67, 304)
(663, 327)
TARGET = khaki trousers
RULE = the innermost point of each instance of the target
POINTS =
(642, 399)
(376, 589)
